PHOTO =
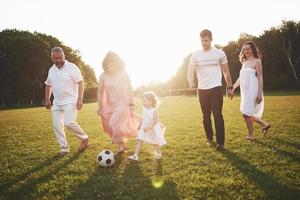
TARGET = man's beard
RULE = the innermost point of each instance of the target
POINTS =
(59, 64)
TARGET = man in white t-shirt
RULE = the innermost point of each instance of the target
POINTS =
(66, 83)
(209, 63)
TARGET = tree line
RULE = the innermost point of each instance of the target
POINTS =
(25, 61)
(280, 49)
(24, 64)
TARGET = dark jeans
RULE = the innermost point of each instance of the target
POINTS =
(211, 100)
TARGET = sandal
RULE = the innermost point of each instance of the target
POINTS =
(121, 150)
(251, 138)
(265, 130)
(84, 144)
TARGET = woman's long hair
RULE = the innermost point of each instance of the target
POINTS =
(112, 57)
(255, 51)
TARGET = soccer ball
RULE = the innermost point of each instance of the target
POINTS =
(106, 158)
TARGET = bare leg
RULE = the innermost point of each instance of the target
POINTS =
(249, 124)
(260, 121)
(157, 149)
(157, 154)
(122, 147)
(138, 147)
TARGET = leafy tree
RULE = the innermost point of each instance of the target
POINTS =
(24, 64)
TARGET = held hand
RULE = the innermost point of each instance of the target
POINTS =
(192, 86)
(48, 104)
(258, 99)
(230, 93)
(79, 104)
(99, 111)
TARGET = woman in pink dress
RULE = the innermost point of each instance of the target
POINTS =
(115, 102)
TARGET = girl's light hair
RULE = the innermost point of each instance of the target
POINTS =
(152, 97)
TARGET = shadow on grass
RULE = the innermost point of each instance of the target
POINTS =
(272, 188)
(28, 187)
(288, 143)
(22, 177)
(111, 183)
(279, 151)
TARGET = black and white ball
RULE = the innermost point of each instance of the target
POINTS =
(106, 158)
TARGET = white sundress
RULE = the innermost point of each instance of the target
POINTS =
(156, 134)
(249, 90)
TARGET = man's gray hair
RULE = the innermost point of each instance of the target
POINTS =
(57, 50)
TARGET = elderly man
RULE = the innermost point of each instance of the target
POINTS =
(65, 80)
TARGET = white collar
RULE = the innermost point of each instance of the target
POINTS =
(58, 69)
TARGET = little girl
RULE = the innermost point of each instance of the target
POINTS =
(150, 129)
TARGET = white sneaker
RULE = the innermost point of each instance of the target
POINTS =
(133, 157)
(63, 153)
(158, 156)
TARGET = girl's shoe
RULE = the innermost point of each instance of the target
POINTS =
(133, 157)
(158, 156)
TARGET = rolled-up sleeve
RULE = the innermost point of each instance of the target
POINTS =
(76, 74)
(223, 57)
(48, 81)
(191, 69)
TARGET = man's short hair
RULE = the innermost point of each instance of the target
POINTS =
(57, 50)
(206, 33)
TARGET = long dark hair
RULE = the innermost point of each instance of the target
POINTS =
(255, 51)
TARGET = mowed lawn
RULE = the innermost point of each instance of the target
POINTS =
(266, 169)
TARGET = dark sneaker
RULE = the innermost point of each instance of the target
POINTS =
(209, 143)
(220, 147)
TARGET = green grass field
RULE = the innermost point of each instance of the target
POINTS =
(266, 169)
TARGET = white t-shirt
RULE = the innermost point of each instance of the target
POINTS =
(64, 82)
(207, 65)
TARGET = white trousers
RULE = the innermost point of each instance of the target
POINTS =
(66, 116)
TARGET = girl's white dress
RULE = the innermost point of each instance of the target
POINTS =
(156, 134)
(249, 91)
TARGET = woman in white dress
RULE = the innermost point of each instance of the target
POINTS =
(251, 87)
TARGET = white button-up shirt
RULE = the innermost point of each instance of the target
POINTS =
(64, 82)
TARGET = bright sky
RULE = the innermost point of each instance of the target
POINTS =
(152, 36)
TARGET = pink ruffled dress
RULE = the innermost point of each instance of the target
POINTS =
(117, 119)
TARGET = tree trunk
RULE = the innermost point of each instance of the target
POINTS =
(294, 71)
